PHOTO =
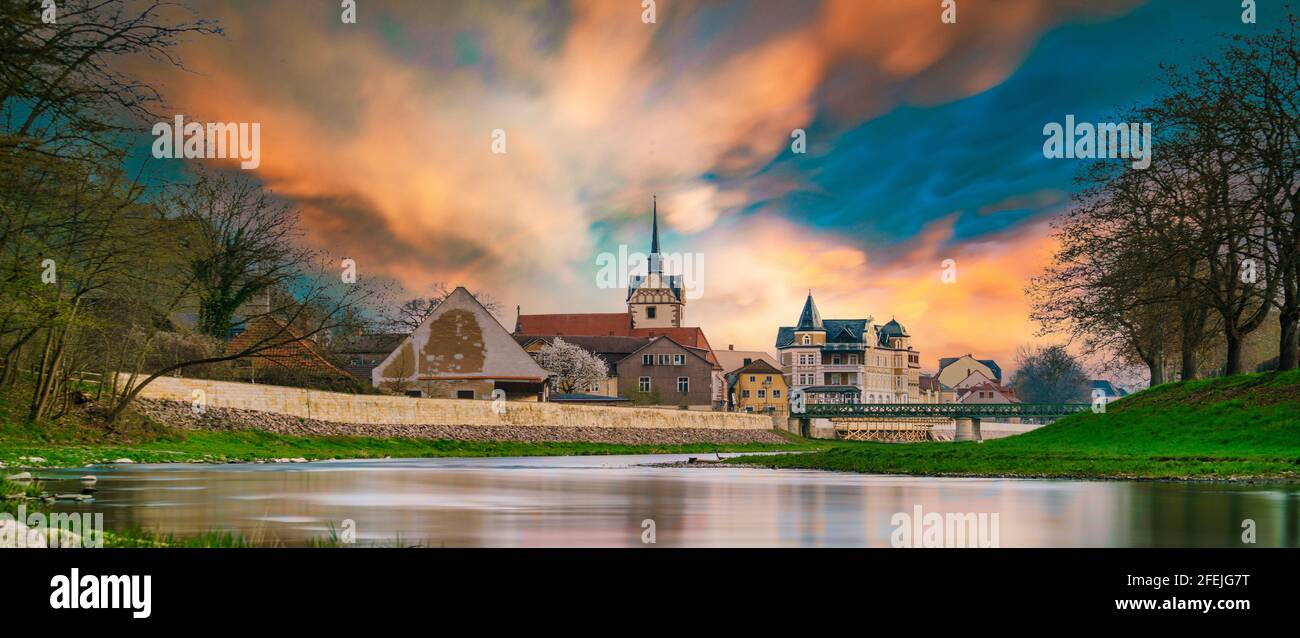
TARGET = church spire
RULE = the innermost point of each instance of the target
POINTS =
(654, 236)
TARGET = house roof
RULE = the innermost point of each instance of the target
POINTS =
(617, 324)
(289, 348)
(893, 329)
(809, 318)
(992, 365)
(1107, 387)
(987, 386)
(838, 331)
(589, 323)
(611, 349)
(759, 366)
(931, 382)
(732, 360)
(459, 339)
(375, 343)
(702, 353)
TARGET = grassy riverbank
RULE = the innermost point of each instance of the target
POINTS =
(222, 447)
(78, 438)
(1242, 427)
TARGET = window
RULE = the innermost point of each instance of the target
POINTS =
(643, 384)
(683, 384)
(767, 379)
(776, 394)
(663, 359)
(744, 394)
(807, 339)
(679, 359)
(647, 359)
(650, 312)
(748, 361)
(835, 359)
(853, 359)
(762, 394)
(464, 394)
(752, 378)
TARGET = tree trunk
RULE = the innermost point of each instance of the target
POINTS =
(1232, 363)
(1289, 343)
(1157, 368)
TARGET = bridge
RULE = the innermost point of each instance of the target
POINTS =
(914, 420)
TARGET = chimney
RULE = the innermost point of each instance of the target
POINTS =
(731, 346)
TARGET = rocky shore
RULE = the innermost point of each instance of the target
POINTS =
(179, 414)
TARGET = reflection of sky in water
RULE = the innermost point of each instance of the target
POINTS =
(602, 501)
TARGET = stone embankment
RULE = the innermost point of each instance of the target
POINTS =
(182, 415)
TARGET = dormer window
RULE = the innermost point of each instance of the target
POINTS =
(650, 312)
(807, 340)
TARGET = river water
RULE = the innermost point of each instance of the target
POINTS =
(600, 501)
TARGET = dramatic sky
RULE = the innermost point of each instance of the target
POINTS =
(924, 143)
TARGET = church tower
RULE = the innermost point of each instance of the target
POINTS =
(655, 300)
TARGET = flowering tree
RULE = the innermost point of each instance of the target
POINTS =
(575, 369)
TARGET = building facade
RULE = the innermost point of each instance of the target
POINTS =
(848, 360)
(665, 372)
(759, 387)
(461, 352)
(954, 370)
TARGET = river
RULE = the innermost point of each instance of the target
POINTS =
(619, 501)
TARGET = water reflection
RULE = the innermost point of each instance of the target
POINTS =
(602, 501)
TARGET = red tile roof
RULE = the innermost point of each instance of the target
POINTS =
(287, 347)
(578, 324)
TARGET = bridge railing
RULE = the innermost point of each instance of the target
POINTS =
(947, 410)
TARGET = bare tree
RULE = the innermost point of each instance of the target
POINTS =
(240, 244)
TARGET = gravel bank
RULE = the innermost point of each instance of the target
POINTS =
(179, 414)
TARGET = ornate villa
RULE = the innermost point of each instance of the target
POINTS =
(849, 360)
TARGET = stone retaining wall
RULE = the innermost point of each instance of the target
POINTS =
(392, 410)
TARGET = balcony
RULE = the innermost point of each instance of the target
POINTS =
(842, 367)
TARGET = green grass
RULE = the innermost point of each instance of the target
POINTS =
(221, 447)
(1241, 427)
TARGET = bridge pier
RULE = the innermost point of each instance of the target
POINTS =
(967, 429)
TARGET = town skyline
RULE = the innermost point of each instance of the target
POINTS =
(922, 148)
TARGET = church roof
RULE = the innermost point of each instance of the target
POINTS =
(654, 227)
(583, 324)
